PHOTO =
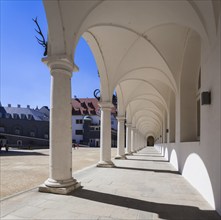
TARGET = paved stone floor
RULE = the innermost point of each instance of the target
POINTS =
(144, 186)
(30, 167)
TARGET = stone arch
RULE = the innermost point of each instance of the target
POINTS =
(106, 95)
(189, 15)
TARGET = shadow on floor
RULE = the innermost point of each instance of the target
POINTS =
(20, 153)
(151, 170)
(147, 155)
(147, 160)
(164, 211)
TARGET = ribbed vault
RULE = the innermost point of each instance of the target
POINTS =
(139, 48)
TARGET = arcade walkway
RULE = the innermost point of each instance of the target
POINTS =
(144, 186)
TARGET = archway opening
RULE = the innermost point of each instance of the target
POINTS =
(150, 141)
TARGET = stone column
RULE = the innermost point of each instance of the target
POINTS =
(105, 135)
(128, 139)
(120, 138)
(133, 139)
(60, 179)
(136, 141)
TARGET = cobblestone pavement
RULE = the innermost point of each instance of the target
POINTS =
(144, 186)
(25, 169)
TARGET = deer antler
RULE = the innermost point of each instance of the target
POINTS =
(41, 42)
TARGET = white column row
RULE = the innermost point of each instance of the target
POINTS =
(60, 179)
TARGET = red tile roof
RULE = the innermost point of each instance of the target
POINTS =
(86, 106)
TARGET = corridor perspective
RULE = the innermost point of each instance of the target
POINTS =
(162, 60)
(144, 186)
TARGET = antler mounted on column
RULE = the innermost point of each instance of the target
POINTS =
(41, 42)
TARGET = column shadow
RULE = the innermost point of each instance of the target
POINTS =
(151, 170)
(147, 155)
(147, 160)
(164, 211)
(21, 153)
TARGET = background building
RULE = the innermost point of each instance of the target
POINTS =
(24, 127)
(86, 122)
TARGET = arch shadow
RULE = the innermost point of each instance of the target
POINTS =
(196, 173)
(174, 160)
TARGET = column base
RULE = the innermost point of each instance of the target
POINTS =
(59, 187)
(118, 157)
(105, 164)
(127, 154)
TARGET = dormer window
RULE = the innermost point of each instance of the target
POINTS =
(23, 116)
(30, 117)
(7, 115)
(15, 116)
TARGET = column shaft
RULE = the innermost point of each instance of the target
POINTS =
(133, 139)
(120, 138)
(128, 139)
(60, 179)
(105, 136)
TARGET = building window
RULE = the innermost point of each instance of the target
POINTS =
(199, 79)
(2, 129)
(79, 121)
(46, 136)
(32, 134)
(19, 142)
(17, 131)
(198, 106)
(79, 132)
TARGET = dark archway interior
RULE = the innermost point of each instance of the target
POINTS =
(150, 141)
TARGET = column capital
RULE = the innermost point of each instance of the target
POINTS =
(106, 105)
(120, 118)
(62, 62)
(133, 128)
(128, 124)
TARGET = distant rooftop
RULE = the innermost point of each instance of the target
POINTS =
(86, 106)
(19, 112)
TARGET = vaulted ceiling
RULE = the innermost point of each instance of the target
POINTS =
(139, 48)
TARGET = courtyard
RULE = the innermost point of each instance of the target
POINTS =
(144, 186)
(22, 170)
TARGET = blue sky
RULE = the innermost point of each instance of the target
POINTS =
(24, 79)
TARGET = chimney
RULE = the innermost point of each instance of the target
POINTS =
(9, 105)
(19, 106)
(28, 106)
